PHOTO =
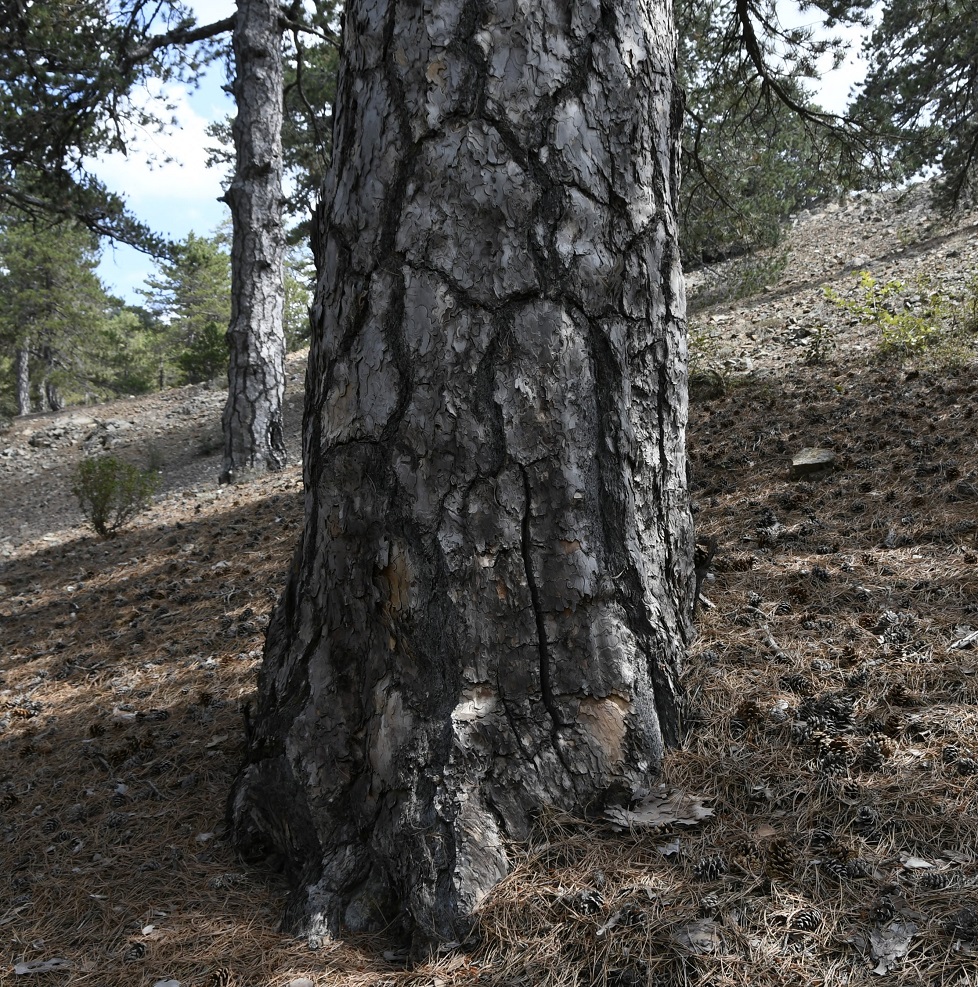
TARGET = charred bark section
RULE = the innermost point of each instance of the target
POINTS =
(546, 681)
(490, 604)
(252, 420)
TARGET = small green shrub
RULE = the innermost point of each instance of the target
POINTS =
(112, 492)
(821, 343)
(909, 317)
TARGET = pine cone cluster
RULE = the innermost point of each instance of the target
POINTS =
(830, 710)
(711, 867)
(584, 902)
(797, 684)
(842, 862)
(936, 880)
(136, 951)
(833, 755)
(223, 977)
(748, 714)
(873, 753)
(23, 709)
(710, 905)
(950, 753)
(883, 911)
(889, 724)
(834, 866)
(867, 822)
(899, 695)
(819, 839)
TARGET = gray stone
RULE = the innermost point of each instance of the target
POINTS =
(811, 461)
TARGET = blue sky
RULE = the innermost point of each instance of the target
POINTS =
(175, 198)
(181, 197)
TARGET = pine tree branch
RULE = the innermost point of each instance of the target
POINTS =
(178, 37)
(752, 47)
(300, 27)
(119, 227)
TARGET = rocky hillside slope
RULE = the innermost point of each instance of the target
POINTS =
(781, 324)
(176, 432)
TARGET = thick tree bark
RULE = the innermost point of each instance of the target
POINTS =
(23, 372)
(253, 433)
(489, 606)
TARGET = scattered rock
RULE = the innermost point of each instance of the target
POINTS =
(811, 462)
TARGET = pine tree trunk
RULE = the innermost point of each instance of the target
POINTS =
(23, 372)
(51, 398)
(489, 605)
(253, 431)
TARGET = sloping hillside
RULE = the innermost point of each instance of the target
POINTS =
(832, 688)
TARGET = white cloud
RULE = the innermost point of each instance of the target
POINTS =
(164, 177)
(177, 194)
(168, 171)
(208, 11)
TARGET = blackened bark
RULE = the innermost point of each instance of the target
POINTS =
(489, 606)
(253, 432)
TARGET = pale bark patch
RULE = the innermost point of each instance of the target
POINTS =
(393, 731)
(604, 723)
(465, 214)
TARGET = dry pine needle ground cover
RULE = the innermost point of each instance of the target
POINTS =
(833, 689)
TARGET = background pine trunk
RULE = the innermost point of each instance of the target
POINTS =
(253, 437)
(490, 601)
(22, 360)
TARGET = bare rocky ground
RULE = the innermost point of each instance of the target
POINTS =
(177, 432)
(832, 685)
(893, 237)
